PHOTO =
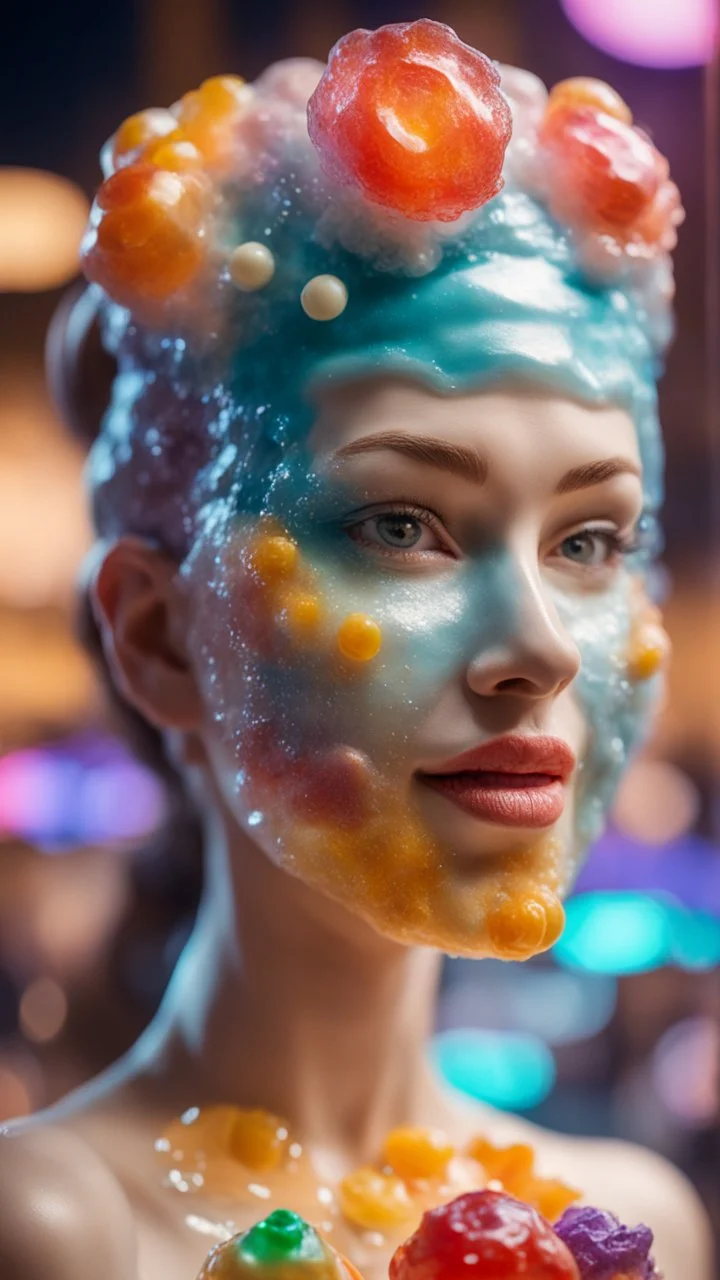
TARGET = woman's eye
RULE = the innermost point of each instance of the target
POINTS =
(591, 548)
(396, 531)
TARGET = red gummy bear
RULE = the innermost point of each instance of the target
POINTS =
(484, 1235)
(413, 117)
(611, 171)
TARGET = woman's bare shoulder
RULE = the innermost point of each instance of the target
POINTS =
(63, 1214)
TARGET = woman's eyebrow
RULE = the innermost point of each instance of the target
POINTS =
(427, 449)
(596, 473)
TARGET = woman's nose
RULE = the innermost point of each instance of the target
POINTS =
(534, 658)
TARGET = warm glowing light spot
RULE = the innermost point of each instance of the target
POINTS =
(43, 1010)
(42, 220)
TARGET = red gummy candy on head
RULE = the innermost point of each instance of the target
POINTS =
(611, 170)
(484, 1235)
(414, 118)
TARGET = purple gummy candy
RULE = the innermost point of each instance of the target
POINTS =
(603, 1248)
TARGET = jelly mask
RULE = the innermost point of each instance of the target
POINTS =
(348, 671)
(408, 215)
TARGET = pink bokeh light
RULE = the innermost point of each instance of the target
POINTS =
(650, 33)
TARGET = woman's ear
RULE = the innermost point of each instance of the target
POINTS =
(142, 615)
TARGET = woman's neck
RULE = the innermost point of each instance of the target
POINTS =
(285, 1001)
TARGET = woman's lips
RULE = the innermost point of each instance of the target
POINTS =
(515, 781)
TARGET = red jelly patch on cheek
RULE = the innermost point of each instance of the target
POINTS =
(335, 790)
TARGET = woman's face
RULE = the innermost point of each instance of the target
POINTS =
(417, 664)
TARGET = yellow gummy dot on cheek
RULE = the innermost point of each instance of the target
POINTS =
(359, 637)
(302, 614)
(648, 651)
(273, 559)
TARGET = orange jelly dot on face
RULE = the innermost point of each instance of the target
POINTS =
(525, 924)
(274, 558)
(148, 242)
(359, 637)
(417, 1153)
(648, 651)
(414, 117)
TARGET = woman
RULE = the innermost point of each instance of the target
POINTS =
(375, 500)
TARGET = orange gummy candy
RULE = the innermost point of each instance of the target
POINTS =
(413, 117)
(146, 238)
(375, 1200)
(207, 116)
(258, 1140)
(138, 130)
(417, 1153)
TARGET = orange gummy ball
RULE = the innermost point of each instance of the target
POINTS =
(146, 238)
(414, 118)
(417, 1153)
(258, 1140)
(138, 130)
(207, 116)
(274, 558)
(648, 651)
(582, 91)
(359, 637)
(610, 171)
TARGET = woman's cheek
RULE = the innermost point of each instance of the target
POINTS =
(314, 675)
(623, 650)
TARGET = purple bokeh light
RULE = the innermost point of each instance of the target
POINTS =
(649, 33)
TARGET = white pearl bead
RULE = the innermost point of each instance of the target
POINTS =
(324, 298)
(251, 265)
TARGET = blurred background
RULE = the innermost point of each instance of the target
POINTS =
(617, 1031)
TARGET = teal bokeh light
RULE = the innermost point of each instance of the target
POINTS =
(623, 933)
(506, 1069)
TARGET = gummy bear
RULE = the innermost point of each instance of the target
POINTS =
(484, 1235)
(414, 118)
